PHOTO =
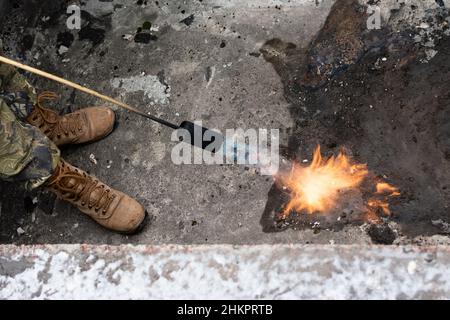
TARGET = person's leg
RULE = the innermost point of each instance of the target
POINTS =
(12, 81)
(26, 155)
(85, 125)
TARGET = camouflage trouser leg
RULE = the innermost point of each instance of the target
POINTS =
(26, 155)
(12, 81)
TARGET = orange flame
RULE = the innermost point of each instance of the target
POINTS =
(385, 188)
(317, 187)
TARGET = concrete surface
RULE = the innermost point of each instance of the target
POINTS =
(2, 8)
(224, 272)
(201, 62)
(225, 87)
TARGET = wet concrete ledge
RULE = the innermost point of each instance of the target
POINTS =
(223, 271)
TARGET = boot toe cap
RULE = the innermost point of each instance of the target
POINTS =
(101, 121)
(128, 216)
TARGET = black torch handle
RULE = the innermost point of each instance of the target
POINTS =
(193, 130)
(198, 141)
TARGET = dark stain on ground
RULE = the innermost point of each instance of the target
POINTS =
(64, 38)
(147, 25)
(28, 204)
(94, 35)
(36, 15)
(46, 202)
(188, 21)
(392, 113)
(10, 222)
(31, 11)
(27, 42)
(381, 234)
(26, 16)
(144, 37)
(94, 29)
(162, 78)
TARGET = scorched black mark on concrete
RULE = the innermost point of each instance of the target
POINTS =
(369, 91)
(93, 29)
(188, 21)
(144, 37)
(65, 39)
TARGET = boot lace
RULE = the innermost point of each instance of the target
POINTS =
(52, 125)
(77, 186)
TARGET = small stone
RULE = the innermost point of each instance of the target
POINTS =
(92, 159)
(62, 50)
(20, 231)
(128, 37)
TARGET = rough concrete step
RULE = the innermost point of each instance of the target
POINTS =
(223, 272)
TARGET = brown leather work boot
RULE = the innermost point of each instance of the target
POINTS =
(110, 208)
(86, 125)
